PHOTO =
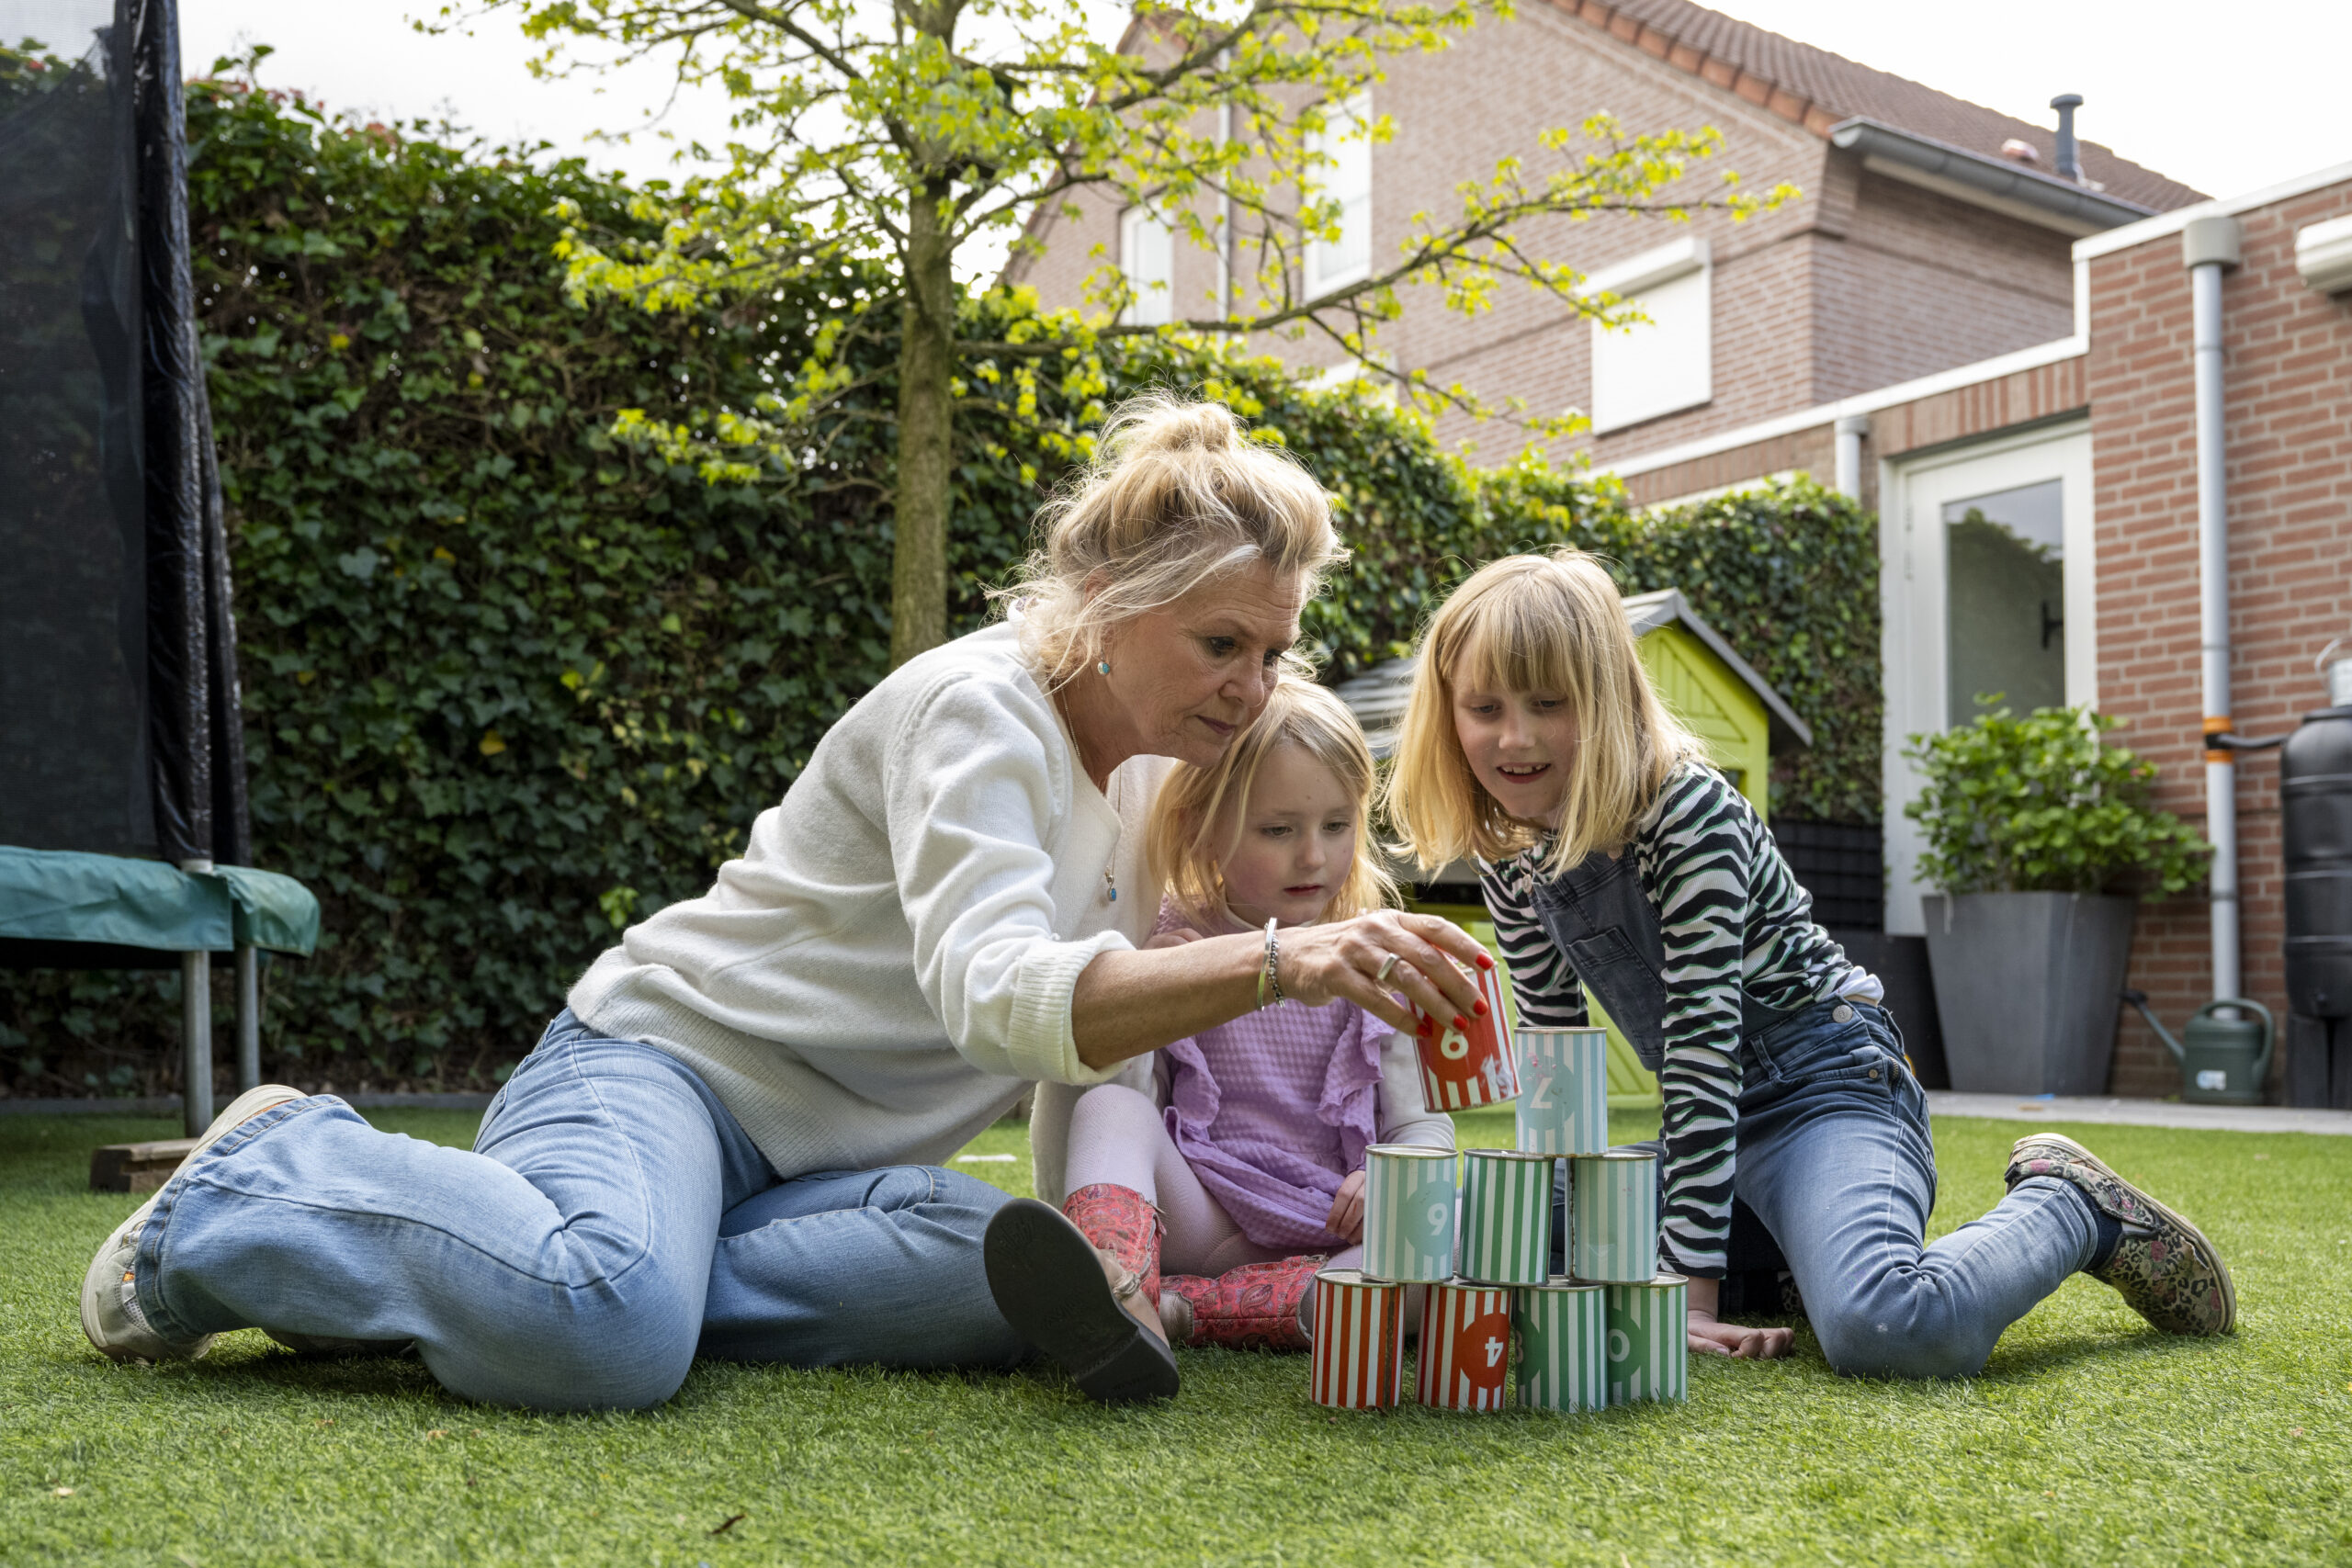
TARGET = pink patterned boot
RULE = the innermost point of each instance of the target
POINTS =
(1121, 1221)
(1252, 1307)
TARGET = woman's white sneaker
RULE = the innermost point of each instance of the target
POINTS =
(110, 1312)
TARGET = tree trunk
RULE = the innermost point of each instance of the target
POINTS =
(926, 432)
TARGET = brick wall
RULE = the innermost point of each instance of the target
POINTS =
(2003, 403)
(2288, 393)
(1862, 283)
(1918, 283)
(1979, 408)
(1813, 451)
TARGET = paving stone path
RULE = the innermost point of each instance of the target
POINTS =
(2140, 1113)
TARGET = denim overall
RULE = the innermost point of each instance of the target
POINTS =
(1599, 916)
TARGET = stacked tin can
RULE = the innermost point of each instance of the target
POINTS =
(1560, 1322)
(1626, 1319)
(1411, 1213)
(1470, 1063)
(1609, 1331)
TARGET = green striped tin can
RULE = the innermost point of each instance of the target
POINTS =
(1506, 1217)
(1648, 1356)
(1563, 1106)
(1409, 1213)
(1559, 1340)
(1613, 1216)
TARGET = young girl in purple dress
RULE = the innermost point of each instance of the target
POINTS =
(1243, 1174)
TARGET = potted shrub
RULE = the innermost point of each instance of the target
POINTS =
(2041, 838)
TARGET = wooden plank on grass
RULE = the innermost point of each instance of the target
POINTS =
(137, 1167)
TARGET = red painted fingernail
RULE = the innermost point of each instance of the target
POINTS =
(1460, 1021)
(1479, 1008)
(1485, 961)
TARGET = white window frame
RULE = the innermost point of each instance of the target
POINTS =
(1346, 139)
(1914, 606)
(1630, 280)
(1152, 307)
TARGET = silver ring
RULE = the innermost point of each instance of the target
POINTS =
(1387, 967)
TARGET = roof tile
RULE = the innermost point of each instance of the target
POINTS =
(1765, 67)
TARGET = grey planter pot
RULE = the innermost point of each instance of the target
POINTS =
(2026, 988)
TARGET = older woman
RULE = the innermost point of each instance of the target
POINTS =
(727, 1140)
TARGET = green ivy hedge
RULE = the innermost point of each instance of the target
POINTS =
(508, 684)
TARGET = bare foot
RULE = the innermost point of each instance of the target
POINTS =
(1136, 1304)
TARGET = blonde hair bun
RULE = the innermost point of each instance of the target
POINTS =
(1178, 493)
(1155, 424)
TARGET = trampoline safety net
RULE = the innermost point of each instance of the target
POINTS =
(119, 724)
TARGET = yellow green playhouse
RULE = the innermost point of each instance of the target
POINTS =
(1709, 686)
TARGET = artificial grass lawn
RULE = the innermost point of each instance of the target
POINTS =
(2088, 1439)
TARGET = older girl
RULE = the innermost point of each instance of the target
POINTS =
(728, 1139)
(1253, 1176)
(1616, 860)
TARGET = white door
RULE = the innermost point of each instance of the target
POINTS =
(1987, 588)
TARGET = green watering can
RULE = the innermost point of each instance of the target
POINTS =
(2221, 1059)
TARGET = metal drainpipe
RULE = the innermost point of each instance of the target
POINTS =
(1851, 428)
(2209, 246)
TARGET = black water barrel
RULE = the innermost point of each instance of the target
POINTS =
(2315, 806)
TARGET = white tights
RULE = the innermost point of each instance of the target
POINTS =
(1117, 1136)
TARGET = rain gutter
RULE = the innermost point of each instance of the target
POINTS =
(1994, 184)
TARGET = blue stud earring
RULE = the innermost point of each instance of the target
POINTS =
(1102, 667)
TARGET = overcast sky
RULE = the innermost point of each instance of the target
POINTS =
(2227, 98)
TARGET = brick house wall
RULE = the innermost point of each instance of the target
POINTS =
(2288, 382)
(1979, 407)
(1919, 283)
(2288, 393)
(1864, 282)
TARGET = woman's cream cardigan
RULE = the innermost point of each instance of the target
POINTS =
(891, 962)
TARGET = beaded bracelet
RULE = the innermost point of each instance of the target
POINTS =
(1271, 976)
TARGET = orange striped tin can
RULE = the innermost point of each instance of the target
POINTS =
(1359, 1360)
(1463, 1067)
(1465, 1348)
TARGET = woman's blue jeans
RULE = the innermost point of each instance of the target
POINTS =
(612, 1219)
(1836, 1160)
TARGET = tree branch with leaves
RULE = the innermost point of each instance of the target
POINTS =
(910, 131)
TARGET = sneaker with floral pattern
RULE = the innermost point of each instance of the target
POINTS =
(2164, 1267)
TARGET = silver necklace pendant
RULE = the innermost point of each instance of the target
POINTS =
(1110, 868)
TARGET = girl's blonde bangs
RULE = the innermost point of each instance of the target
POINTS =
(1516, 643)
(1552, 624)
(1184, 815)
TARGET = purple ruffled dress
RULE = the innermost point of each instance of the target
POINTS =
(1273, 1111)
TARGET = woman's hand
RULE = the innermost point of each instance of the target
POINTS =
(1343, 962)
(1128, 1002)
(1347, 1208)
(1711, 1336)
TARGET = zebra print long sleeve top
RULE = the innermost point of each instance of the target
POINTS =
(1735, 922)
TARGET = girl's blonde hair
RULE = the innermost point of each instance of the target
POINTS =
(1535, 623)
(1183, 845)
(1178, 493)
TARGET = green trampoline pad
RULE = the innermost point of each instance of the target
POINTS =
(57, 895)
